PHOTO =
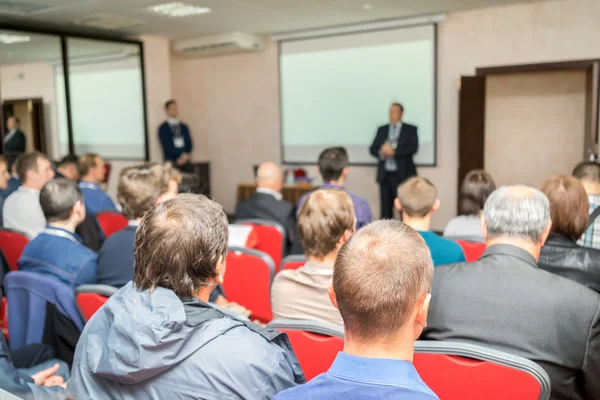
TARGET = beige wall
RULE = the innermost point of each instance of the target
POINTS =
(534, 125)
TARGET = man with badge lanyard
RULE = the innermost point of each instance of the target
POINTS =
(175, 139)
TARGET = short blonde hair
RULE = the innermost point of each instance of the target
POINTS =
(417, 196)
(323, 218)
(140, 186)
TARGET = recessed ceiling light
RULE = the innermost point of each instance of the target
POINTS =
(367, 6)
(178, 9)
(10, 39)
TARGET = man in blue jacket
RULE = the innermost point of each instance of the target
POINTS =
(175, 138)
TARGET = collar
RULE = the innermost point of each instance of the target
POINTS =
(317, 268)
(397, 124)
(383, 371)
(54, 231)
(512, 251)
(29, 190)
(134, 223)
(278, 196)
(332, 186)
(560, 240)
(88, 185)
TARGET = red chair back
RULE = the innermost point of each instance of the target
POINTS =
(4, 317)
(315, 343)
(107, 168)
(292, 262)
(90, 298)
(456, 371)
(271, 238)
(248, 279)
(111, 222)
(12, 244)
(473, 251)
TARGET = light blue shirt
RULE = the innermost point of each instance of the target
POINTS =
(95, 199)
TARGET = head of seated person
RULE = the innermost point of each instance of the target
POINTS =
(141, 187)
(268, 177)
(381, 285)
(34, 170)
(333, 166)
(325, 222)
(68, 167)
(417, 201)
(474, 191)
(4, 173)
(91, 168)
(189, 347)
(58, 251)
(588, 173)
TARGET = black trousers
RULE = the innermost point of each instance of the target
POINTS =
(388, 192)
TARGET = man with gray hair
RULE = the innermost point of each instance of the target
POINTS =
(506, 302)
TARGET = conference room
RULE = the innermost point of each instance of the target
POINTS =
(217, 164)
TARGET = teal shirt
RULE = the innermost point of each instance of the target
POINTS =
(443, 251)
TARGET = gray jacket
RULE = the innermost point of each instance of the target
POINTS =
(158, 346)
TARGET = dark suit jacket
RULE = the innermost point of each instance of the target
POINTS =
(265, 206)
(506, 302)
(16, 144)
(408, 144)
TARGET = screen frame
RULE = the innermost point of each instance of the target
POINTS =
(374, 163)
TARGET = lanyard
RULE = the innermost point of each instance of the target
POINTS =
(59, 233)
(9, 136)
(88, 185)
(175, 129)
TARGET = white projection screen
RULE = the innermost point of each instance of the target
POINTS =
(336, 91)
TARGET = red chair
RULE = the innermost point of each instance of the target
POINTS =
(241, 235)
(292, 262)
(107, 168)
(248, 279)
(271, 238)
(90, 298)
(315, 343)
(455, 370)
(473, 251)
(111, 222)
(4, 317)
(12, 244)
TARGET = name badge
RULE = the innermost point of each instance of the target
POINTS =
(178, 142)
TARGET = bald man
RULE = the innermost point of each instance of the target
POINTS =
(267, 202)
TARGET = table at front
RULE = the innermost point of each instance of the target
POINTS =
(291, 193)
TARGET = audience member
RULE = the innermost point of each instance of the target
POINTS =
(333, 167)
(381, 285)
(13, 182)
(14, 140)
(267, 202)
(325, 222)
(189, 349)
(417, 200)
(140, 189)
(474, 191)
(67, 168)
(561, 254)
(58, 251)
(91, 170)
(588, 174)
(4, 177)
(505, 301)
(22, 209)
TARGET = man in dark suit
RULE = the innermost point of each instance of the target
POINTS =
(267, 202)
(506, 302)
(14, 140)
(175, 139)
(394, 146)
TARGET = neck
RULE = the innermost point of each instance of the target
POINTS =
(591, 187)
(401, 347)
(527, 245)
(88, 178)
(204, 293)
(417, 223)
(270, 188)
(340, 182)
(66, 225)
(328, 259)
(28, 185)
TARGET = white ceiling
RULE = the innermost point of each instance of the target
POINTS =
(250, 16)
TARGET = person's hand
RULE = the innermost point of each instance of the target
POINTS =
(47, 377)
(387, 150)
(183, 158)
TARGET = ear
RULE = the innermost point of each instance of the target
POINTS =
(220, 269)
(79, 208)
(331, 293)
(164, 197)
(345, 236)
(484, 228)
(345, 172)
(546, 233)
(436, 205)
(397, 204)
(422, 311)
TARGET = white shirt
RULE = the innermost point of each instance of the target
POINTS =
(22, 211)
(278, 196)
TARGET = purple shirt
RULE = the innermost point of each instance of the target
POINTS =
(361, 207)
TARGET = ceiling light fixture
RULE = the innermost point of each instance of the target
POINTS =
(178, 9)
(10, 39)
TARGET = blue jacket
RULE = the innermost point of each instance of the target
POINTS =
(60, 254)
(143, 345)
(13, 184)
(166, 134)
(95, 199)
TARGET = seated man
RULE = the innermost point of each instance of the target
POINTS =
(267, 202)
(4, 177)
(67, 168)
(417, 200)
(58, 251)
(158, 338)
(22, 209)
(333, 167)
(91, 170)
(381, 284)
(588, 174)
(13, 181)
(326, 221)
(506, 302)
(140, 189)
